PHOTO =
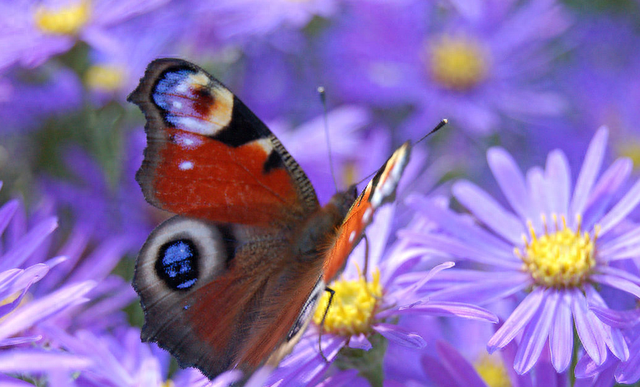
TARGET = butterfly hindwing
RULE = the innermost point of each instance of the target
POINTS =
(213, 296)
(381, 189)
(210, 157)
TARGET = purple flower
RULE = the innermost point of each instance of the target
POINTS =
(452, 369)
(34, 30)
(25, 105)
(363, 307)
(25, 306)
(475, 63)
(613, 369)
(553, 250)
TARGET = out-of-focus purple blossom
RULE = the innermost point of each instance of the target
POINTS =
(476, 64)
(26, 102)
(243, 20)
(559, 244)
(33, 31)
(104, 209)
(450, 368)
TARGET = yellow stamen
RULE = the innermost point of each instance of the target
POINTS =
(63, 21)
(457, 62)
(353, 306)
(104, 78)
(491, 369)
(561, 259)
(630, 148)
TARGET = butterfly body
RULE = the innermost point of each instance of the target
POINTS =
(233, 279)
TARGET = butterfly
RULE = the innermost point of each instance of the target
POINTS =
(233, 279)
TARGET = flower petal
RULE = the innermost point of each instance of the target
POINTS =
(489, 211)
(536, 334)
(457, 367)
(28, 243)
(35, 360)
(518, 319)
(444, 308)
(360, 342)
(622, 319)
(511, 182)
(589, 331)
(625, 205)
(629, 371)
(561, 336)
(558, 175)
(400, 335)
(605, 191)
(617, 282)
(588, 172)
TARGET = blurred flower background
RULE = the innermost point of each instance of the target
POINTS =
(552, 255)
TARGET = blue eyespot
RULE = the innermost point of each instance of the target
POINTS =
(177, 264)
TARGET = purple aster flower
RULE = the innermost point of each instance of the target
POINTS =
(244, 19)
(451, 369)
(25, 307)
(552, 251)
(363, 309)
(35, 30)
(613, 369)
(25, 105)
(476, 62)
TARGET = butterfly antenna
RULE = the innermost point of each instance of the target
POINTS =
(438, 127)
(323, 99)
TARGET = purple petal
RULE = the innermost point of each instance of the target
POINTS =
(622, 319)
(518, 319)
(446, 309)
(19, 340)
(6, 213)
(37, 310)
(625, 205)
(457, 367)
(612, 337)
(561, 336)
(620, 244)
(590, 168)
(617, 282)
(7, 381)
(342, 378)
(511, 182)
(539, 192)
(588, 330)
(460, 229)
(462, 250)
(400, 336)
(559, 178)
(629, 371)
(360, 342)
(605, 190)
(33, 360)
(536, 333)
(28, 244)
(488, 211)
(409, 291)
(484, 292)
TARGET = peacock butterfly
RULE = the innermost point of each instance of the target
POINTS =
(233, 279)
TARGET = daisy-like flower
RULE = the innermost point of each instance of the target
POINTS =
(558, 247)
(613, 369)
(451, 369)
(477, 61)
(363, 311)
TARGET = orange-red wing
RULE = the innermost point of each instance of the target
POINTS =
(381, 189)
(209, 156)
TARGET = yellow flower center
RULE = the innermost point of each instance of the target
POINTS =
(352, 308)
(564, 258)
(631, 148)
(104, 78)
(63, 21)
(491, 370)
(456, 62)
(168, 383)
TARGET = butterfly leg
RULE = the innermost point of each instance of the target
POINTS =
(366, 255)
(324, 316)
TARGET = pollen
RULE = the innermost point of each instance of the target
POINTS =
(104, 78)
(63, 21)
(456, 62)
(492, 371)
(353, 306)
(631, 149)
(559, 259)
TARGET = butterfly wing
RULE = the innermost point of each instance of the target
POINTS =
(217, 295)
(209, 156)
(381, 189)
